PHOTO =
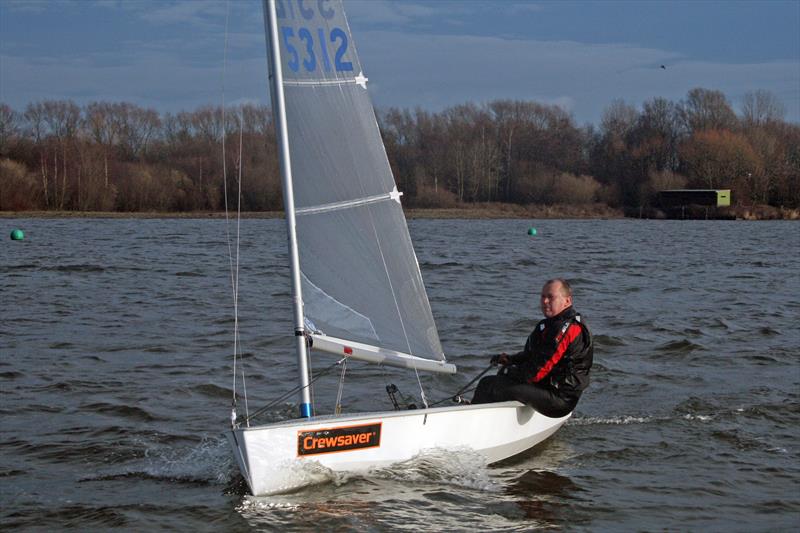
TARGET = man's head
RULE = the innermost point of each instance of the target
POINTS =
(556, 296)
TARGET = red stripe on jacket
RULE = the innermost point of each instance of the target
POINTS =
(572, 333)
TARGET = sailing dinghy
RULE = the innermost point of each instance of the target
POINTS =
(356, 284)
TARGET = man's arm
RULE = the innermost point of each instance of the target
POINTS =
(524, 355)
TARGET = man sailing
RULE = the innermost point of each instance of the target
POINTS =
(552, 371)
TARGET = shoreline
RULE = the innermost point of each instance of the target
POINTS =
(482, 211)
(472, 212)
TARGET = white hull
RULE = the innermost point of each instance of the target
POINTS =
(270, 459)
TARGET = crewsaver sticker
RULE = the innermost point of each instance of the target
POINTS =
(341, 439)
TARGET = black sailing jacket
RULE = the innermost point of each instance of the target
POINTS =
(558, 354)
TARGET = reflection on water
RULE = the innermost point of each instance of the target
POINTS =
(542, 482)
(543, 495)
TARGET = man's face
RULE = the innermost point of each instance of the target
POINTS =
(553, 299)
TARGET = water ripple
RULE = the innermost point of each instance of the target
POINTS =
(116, 379)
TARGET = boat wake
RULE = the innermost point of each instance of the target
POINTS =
(463, 468)
(436, 479)
(626, 420)
(206, 463)
(460, 467)
(209, 461)
(613, 420)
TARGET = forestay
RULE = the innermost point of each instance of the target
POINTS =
(360, 279)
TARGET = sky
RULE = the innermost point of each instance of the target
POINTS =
(172, 55)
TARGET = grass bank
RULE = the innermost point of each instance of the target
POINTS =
(467, 211)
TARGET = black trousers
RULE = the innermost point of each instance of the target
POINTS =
(503, 388)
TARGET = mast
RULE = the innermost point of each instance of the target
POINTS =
(281, 131)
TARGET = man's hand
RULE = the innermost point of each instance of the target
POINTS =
(501, 359)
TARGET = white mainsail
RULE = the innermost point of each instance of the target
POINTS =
(360, 279)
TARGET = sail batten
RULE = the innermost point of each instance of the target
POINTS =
(358, 80)
(394, 195)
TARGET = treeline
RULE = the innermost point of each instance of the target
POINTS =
(121, 157)
(526, 152)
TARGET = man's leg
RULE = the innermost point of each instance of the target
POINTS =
(541, 399)
(493, 389)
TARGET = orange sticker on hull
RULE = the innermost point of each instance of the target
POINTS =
(341, 439)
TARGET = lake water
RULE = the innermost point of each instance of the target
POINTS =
(115, 378)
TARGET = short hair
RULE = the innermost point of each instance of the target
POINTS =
(566, 288)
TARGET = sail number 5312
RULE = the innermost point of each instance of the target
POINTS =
(314, 51)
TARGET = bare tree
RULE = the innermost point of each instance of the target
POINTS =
(104, 129)
(206, 123)
(9, 127)
(62, 118)
(720, 159)
(761, 107)
(257, 119)
(611, 154)
(136, 127)
(705, 109)
(38, 130)
(658, 133)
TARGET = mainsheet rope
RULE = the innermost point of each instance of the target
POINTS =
(466, 388)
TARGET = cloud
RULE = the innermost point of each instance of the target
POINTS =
(152, 80)
(159, 67)
(436, 71)
(384, 12)
(411, 16)
(24, 6)
(452, 69)
(524, 8)
(408, 65)
(202, 13)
